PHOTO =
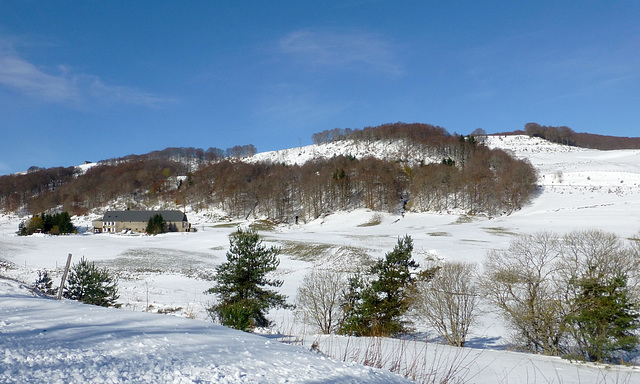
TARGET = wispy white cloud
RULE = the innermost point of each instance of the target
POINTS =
(25, 77)
(61, 85)
(342, 49)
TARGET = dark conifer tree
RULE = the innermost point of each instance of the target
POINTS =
(605, 318)
(376, 307)
(242, 286)
(156, 225)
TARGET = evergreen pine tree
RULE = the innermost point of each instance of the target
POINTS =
(156, 225)
(63, 221)
(605, 318)
(242, 283)
(353, 322)
(376, 307)
(90, 284)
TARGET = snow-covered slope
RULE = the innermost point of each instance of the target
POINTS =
(46, 341)
(575, 168)
(43, 340)
(83, 168)
(359, 149)
(579, 189)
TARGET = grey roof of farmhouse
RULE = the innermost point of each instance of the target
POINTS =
(143, 215)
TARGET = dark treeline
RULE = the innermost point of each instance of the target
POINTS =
(468, 176)
(189, 154)
(134, 183)
(17, 190)
(473, 179)
(131, 176)
(49, 191)
(417, 133)
(566, 136)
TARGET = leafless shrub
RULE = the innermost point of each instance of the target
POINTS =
(574, 296)
(319, 298)
(449, 301)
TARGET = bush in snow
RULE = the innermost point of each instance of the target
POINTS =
(601, 275)
(522, 281)
(44, 283)
(90, 284)
(56, 224)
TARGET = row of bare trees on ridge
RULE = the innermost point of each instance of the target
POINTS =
(466, 176)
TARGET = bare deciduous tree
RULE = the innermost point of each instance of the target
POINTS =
(599, 254)
(521, 281)
(320, 297)
(449, 301)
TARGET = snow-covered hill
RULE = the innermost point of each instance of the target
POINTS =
(579, 189)
(577, 183)
(559, 165)
(572, 167)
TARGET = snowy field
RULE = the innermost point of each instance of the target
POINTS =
(67, 342)
(46, 341)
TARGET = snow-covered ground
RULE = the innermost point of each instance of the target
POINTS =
(46, 341)
(580, 189)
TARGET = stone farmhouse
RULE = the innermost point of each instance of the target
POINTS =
(136, 221)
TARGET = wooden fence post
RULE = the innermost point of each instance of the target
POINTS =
(64, 277)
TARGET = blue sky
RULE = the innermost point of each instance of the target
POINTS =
(90, 80)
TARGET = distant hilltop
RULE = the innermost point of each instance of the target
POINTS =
(393, 167)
